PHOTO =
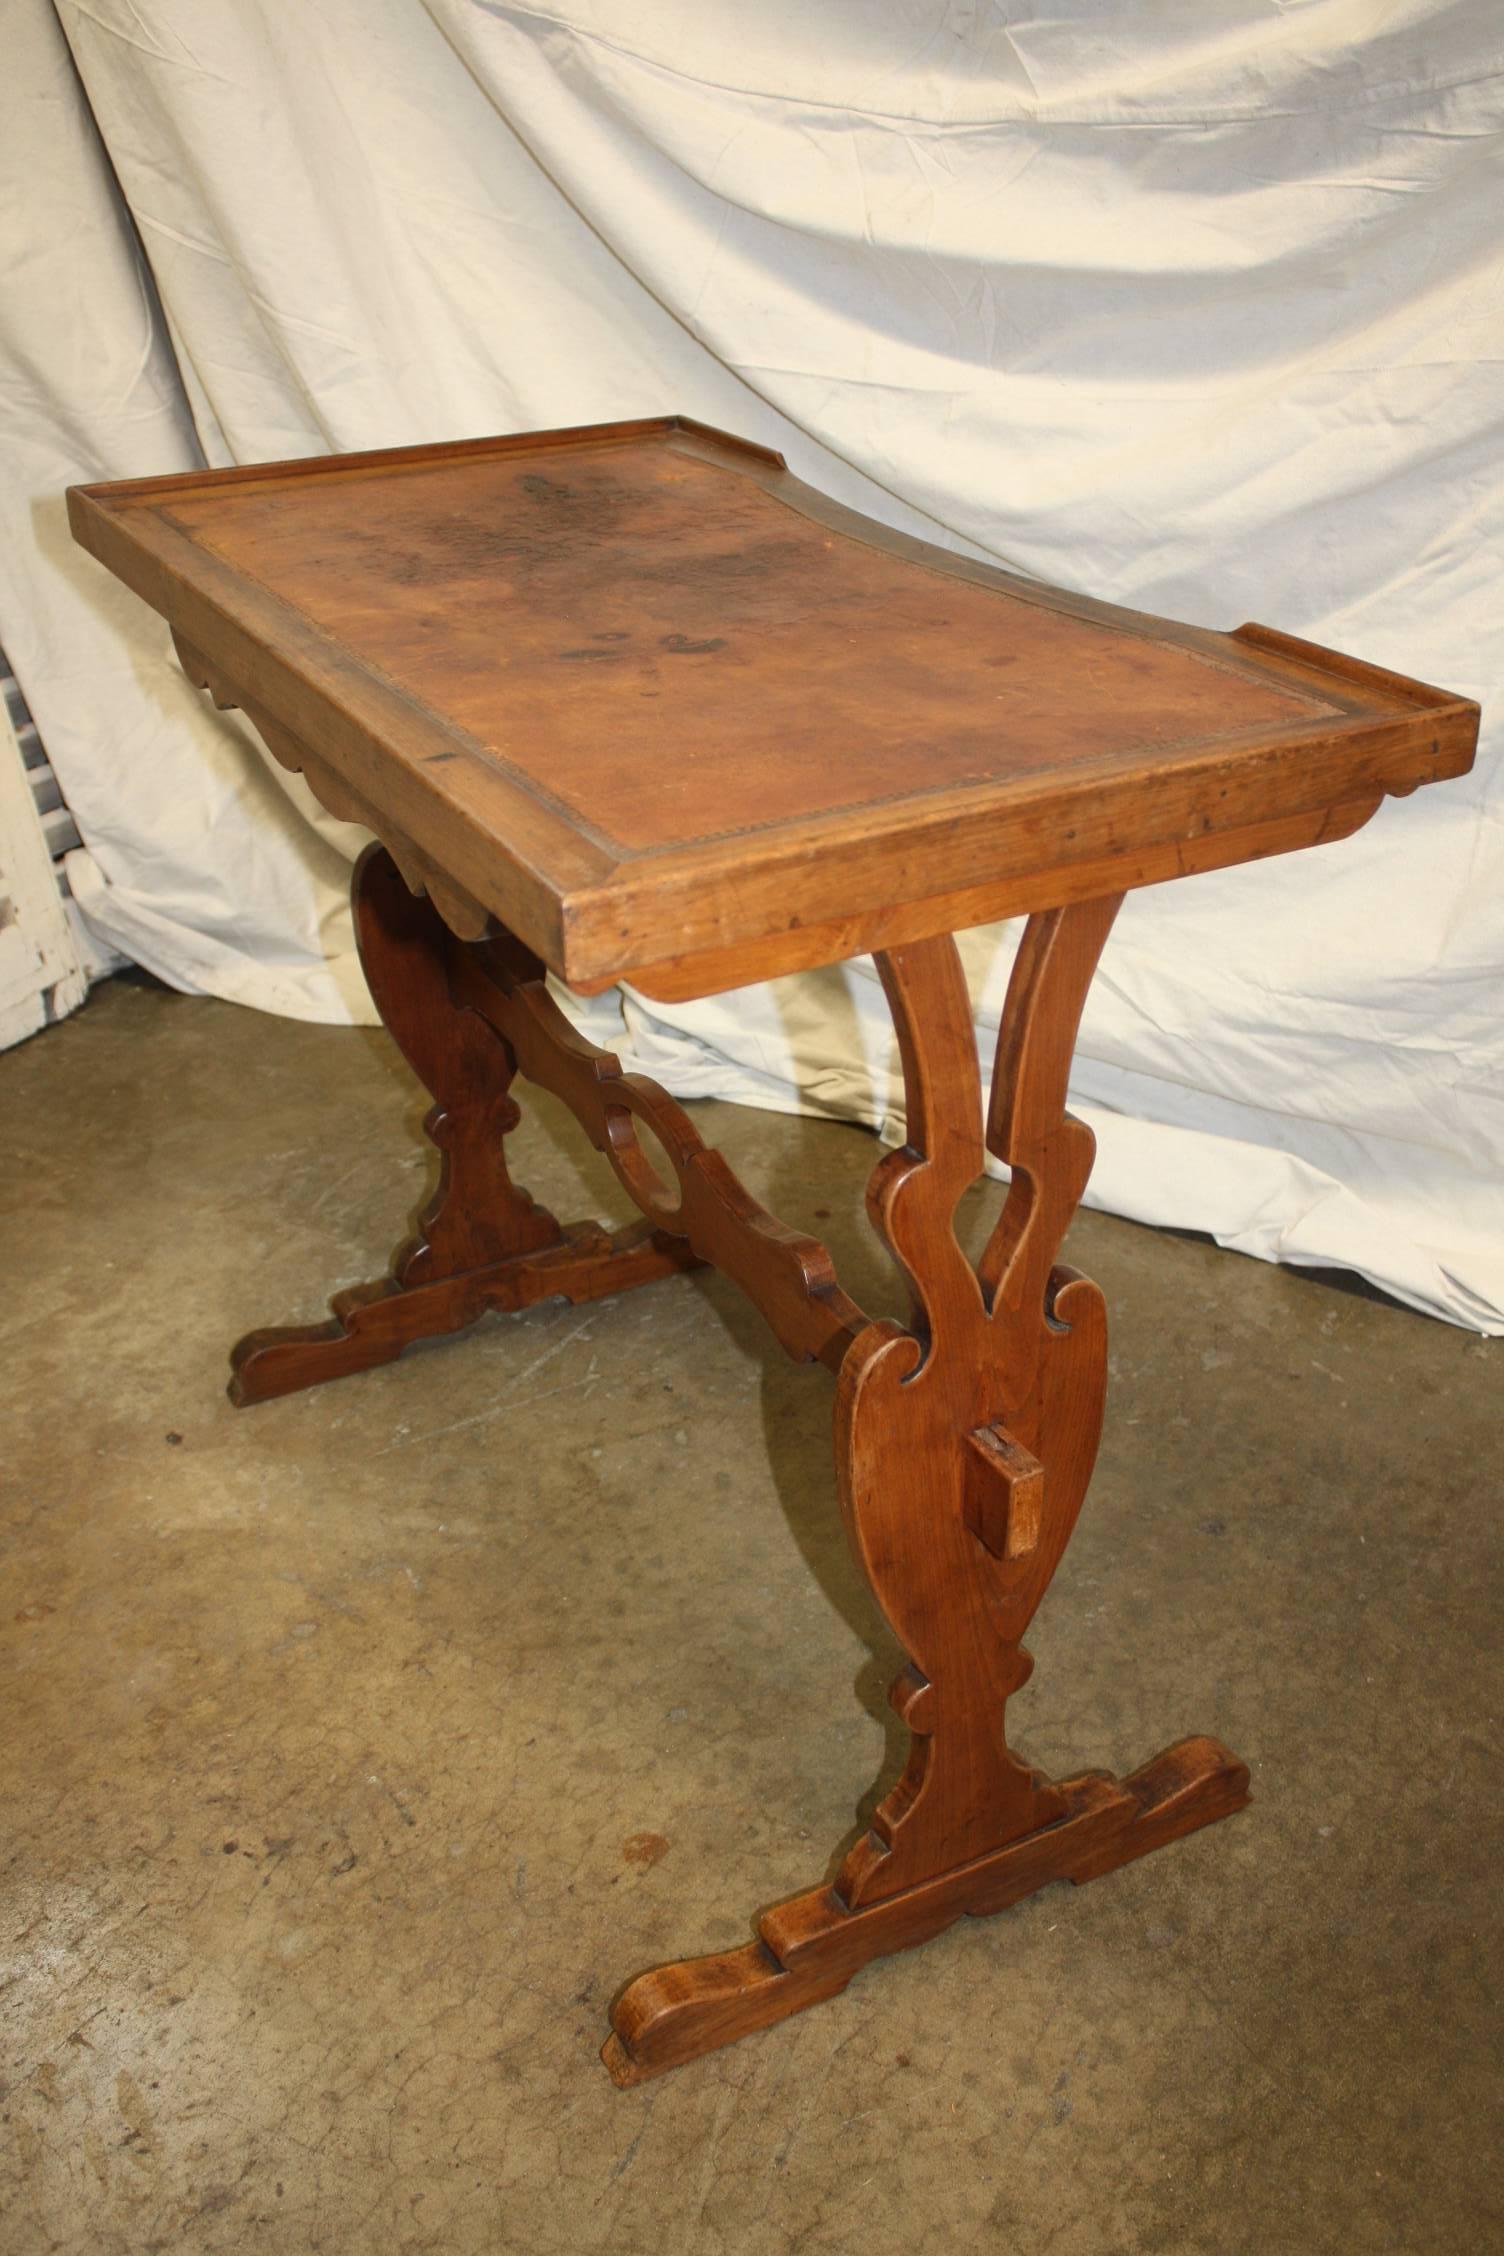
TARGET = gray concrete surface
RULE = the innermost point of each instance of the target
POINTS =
(358, 1746)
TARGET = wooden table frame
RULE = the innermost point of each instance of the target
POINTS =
(964, 1439)
(958, 1517)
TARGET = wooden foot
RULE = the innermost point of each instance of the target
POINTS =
(809, 1948)
(373, 1323)
(482, 1243)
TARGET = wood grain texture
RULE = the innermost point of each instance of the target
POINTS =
(964, 1444)
(1003, 1370)
(787, 1275)
(964, 1439)
(665, 712)
(808, 1948)
(633, 701)
(481, 1243)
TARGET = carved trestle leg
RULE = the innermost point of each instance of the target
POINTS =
(964, 1441)
(482, 1243)
(964, 1445)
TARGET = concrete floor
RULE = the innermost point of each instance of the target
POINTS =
(358, 1746)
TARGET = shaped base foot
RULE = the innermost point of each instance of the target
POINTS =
(373, 1323)
(810, 1947)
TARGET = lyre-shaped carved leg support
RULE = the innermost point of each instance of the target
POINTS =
(481, 1243)
(964, 1440)
(964, 1445)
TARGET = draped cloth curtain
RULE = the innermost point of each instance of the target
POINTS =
(1196, 307)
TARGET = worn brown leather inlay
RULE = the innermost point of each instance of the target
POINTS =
(673, 654)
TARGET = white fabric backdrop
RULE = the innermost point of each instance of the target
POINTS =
(1197, 307)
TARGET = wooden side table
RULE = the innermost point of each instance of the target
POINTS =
(632, 702)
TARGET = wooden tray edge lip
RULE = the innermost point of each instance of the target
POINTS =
(1374, 757)
(1360, 695)
(1380, 681)
(1253, 650)
(524, 885)
(144, 491)
(1375, 705)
